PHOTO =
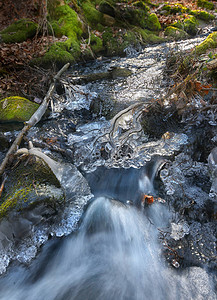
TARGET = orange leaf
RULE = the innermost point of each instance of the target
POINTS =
(147, 199)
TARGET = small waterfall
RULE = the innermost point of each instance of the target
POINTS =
(115, 255)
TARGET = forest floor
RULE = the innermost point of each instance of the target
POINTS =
(17, 76)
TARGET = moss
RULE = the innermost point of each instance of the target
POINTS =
(96, 43)
(19, 31)
(115, 44)
(27, 185)
(178, 24)
(152, 22)
(62, 52)
(191, 25)
(142, 5)
(68, 21)
(132, 16)
(175, 8)
(16, 109)
(106, 7)
(205, 4)
(137, 17)
(209, 43)
(149, 37)
(93, 16)
(203, 15)
(175, 33)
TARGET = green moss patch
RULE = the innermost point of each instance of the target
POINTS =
(16, 109)
(68, 21)
(30, 184)
(93, 16)
(153, 23)
(191, 25)
(106, 7)
(203, 15)
(68, 24)
(96, 43)
(115, 44)
(19, 31)
(175, 9)
(175, 33)
(209, 43)
(149, 37)
(142, 5)
(205, 4)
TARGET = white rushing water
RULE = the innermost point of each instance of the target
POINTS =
(115, 255)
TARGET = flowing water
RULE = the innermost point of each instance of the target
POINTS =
(116, 253)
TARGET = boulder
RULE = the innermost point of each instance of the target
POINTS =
(16, 109)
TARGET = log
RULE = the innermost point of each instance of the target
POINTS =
(35, 118)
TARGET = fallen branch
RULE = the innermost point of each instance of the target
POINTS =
(35, 118)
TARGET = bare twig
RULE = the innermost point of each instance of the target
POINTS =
(2, 185)
(35, 118)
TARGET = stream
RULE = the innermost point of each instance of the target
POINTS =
(110, 242)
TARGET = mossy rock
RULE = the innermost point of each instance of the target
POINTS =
(60, 53)
(96, 44)
(175, 33)
(209, 43)
(107, 21)
(178, 25)
(152, 23)
(19, 31)
(115, 44)
(205, 4)
(92, 15)
(175, 8)
(68, 21)
(16, 109)
(203, 15)
(107, 8)
(142, 5)
(191, 25)
(28, 185)
(130, 15)
(149, 37)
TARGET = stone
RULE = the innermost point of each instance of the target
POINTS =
(16, 109)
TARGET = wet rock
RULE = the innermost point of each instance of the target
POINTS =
(102, 107)
(29, 184)
(212, 162)
(41, 198)
(211, 65)
(3, 142)
(179, 230)
(113, 73)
